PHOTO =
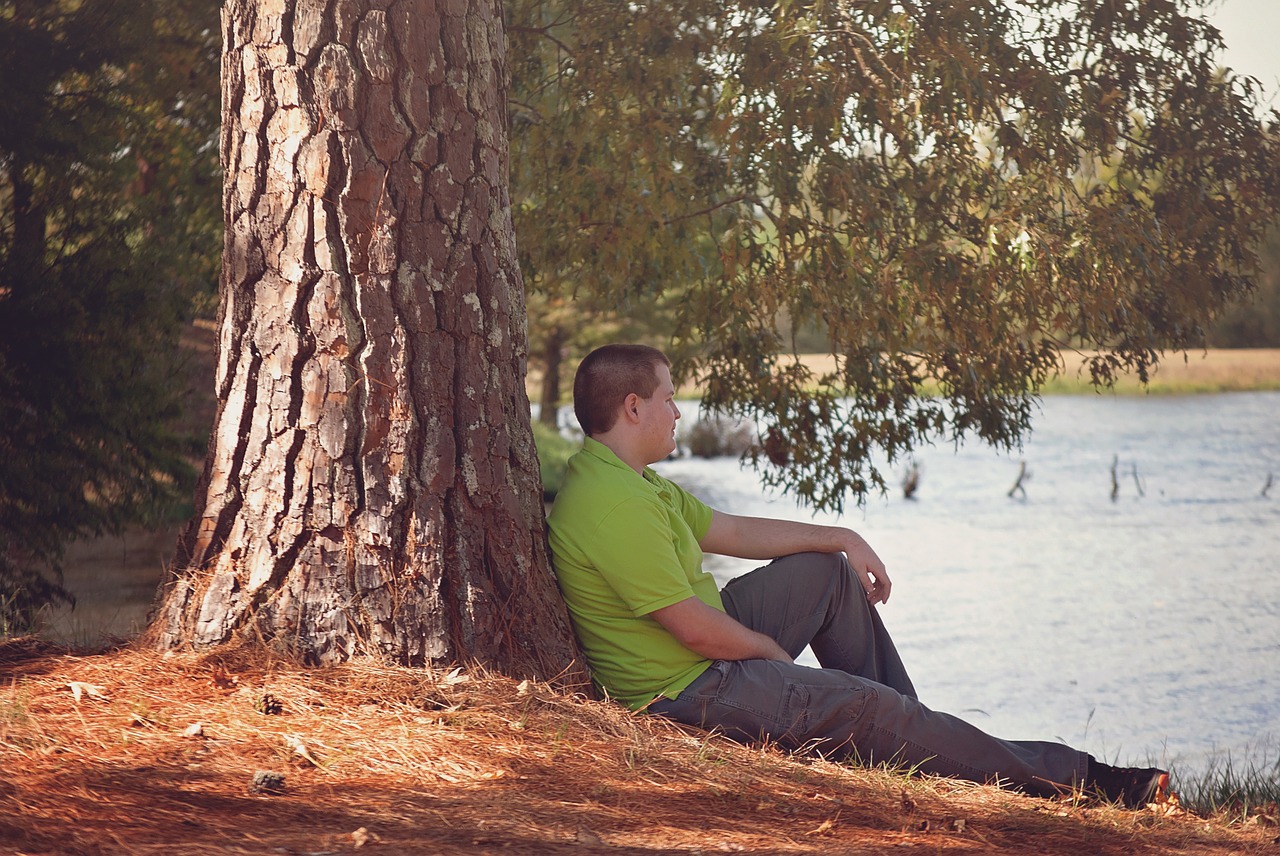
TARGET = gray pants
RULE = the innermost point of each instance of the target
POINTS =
(860, 705)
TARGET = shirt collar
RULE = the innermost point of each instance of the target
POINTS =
(600, 451)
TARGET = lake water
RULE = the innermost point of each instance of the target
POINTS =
(1141, 628)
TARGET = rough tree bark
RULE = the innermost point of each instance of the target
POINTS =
(371, 483)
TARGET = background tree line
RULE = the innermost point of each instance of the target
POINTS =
(1255, 321)
(109, 235)
(729, 180)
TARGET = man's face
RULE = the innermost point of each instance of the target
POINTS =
(658, 417)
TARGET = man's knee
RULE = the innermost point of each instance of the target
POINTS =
(817, 566)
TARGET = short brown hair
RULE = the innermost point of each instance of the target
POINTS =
(607, 376)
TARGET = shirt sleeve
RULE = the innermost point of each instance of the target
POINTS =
(635, 551)
(695, 512)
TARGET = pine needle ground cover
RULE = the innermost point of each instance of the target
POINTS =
(245, 751)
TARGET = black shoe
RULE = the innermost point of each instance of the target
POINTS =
(1132, 787)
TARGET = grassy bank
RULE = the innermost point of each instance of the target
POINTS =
(243, 751)
(554, 451)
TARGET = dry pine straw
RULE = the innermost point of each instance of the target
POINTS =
(131, 752)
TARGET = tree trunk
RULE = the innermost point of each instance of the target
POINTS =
(552, 359)
(371, 484)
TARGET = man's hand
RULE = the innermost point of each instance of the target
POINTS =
(870, 570)
(714, 634)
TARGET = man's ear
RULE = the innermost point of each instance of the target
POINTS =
(631, 407)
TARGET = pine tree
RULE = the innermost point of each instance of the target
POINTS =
(106, 188)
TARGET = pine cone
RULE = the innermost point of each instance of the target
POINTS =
(268, 705)
(267, 782)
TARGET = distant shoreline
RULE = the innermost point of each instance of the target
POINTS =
(1207, 371)
(1213, 370)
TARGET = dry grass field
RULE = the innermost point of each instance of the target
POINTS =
(1214, 370)
(242, 751)
(1218, 370)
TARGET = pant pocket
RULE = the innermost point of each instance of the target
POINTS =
(747, 702)
(832, 720)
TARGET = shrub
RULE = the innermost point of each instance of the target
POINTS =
(717, 437)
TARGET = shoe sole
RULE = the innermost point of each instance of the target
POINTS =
(1157, 791)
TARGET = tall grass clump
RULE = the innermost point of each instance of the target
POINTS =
(23, 596)
(1232, 790)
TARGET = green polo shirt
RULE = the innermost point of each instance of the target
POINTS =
(624, 545)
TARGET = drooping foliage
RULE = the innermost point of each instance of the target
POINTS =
(954, 192)
(614, 178)
(109, 226)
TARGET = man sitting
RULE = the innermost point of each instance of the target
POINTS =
(627, 546)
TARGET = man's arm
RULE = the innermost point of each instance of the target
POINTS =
(713, 634)
(767, 538)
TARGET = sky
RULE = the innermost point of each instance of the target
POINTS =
(1250, 29)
